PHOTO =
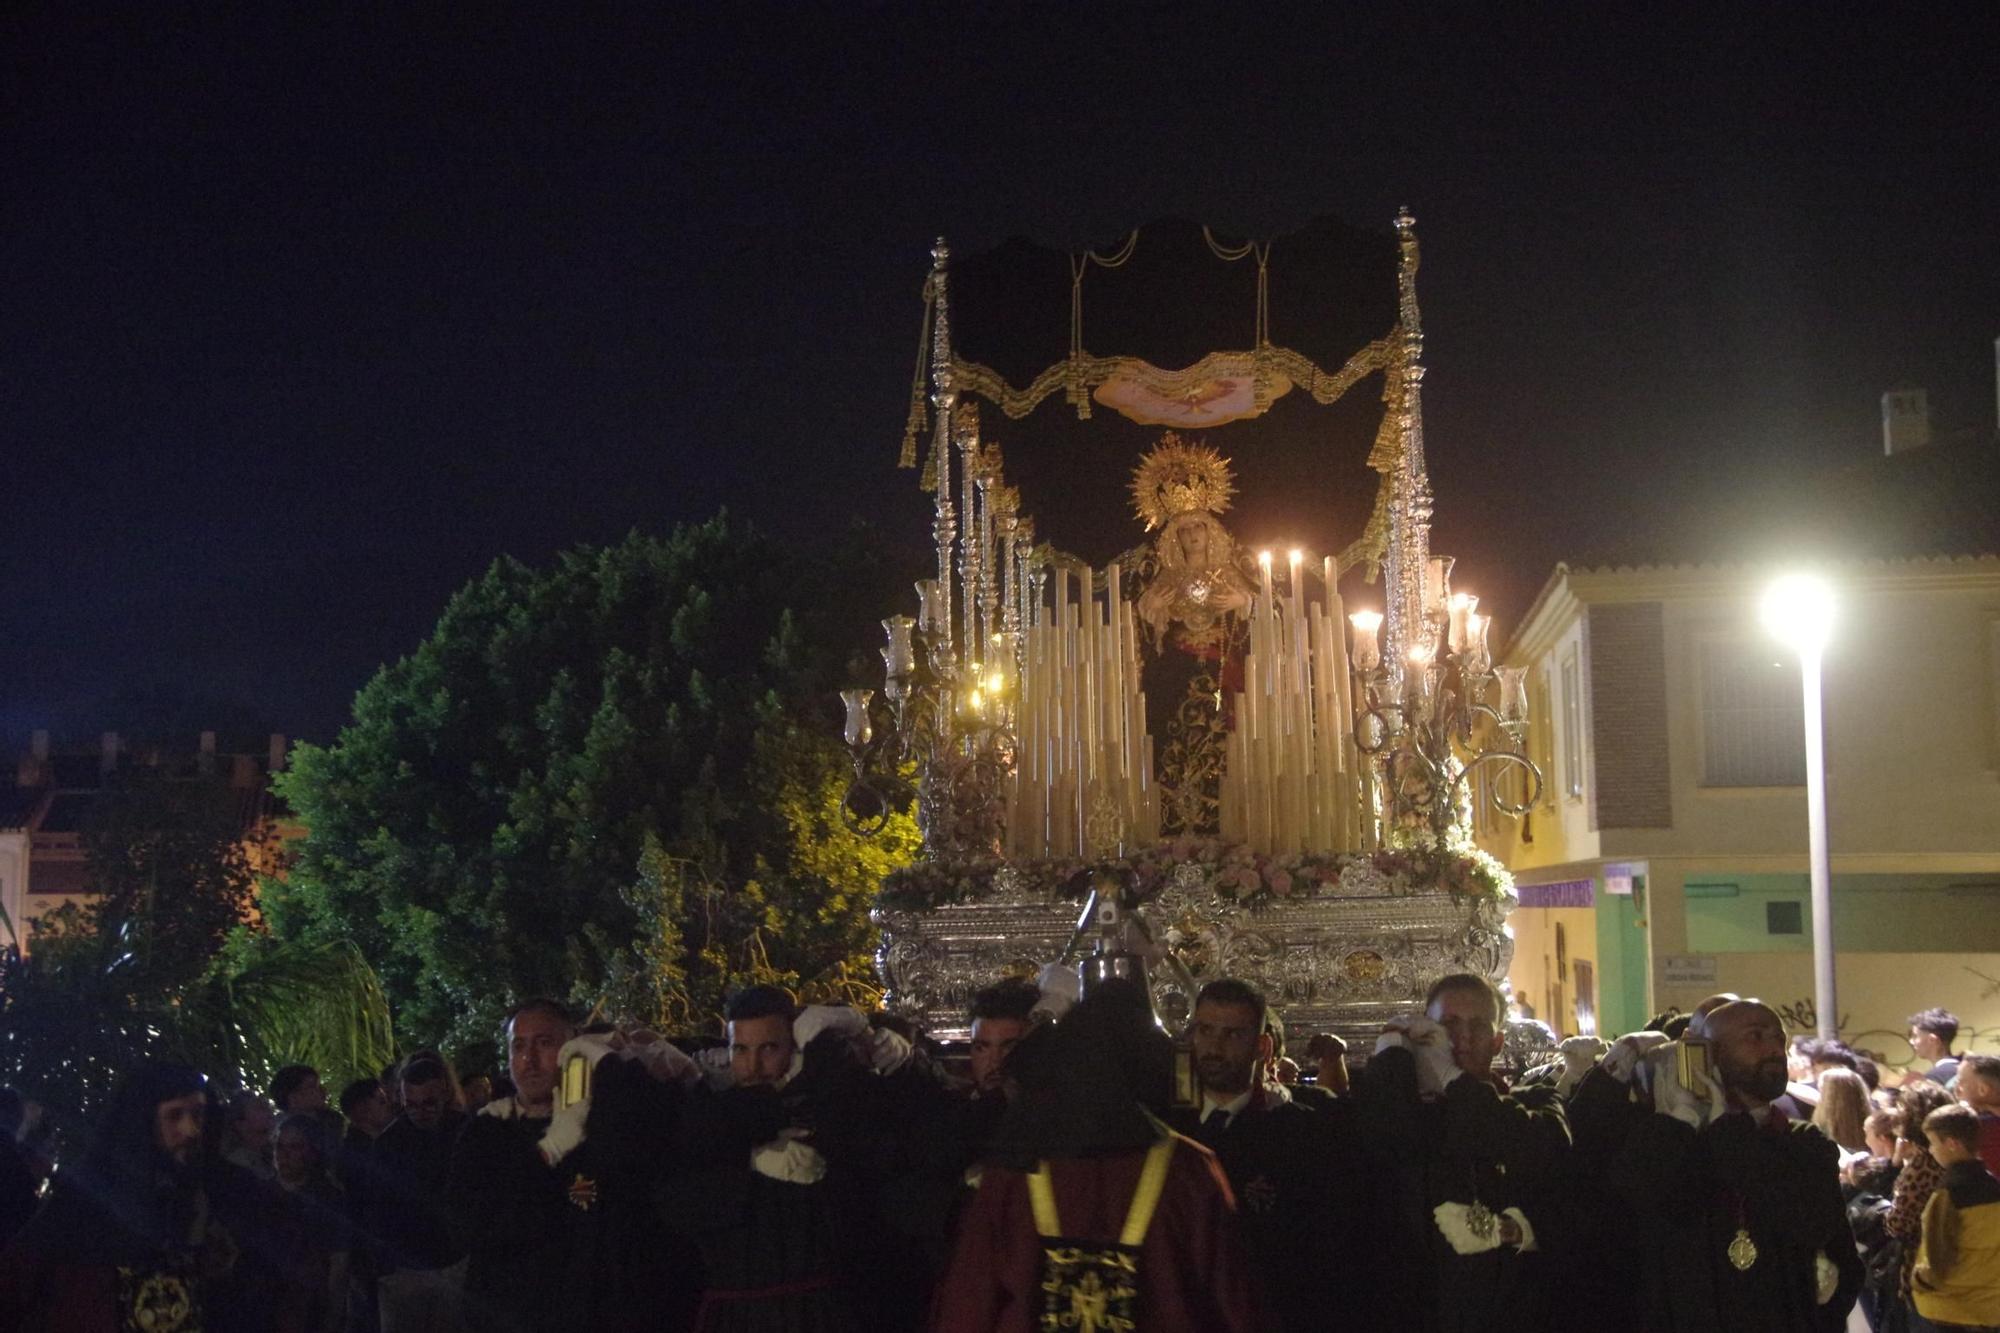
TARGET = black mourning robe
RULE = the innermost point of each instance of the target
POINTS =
(1304, 1205)
(1475, 1143)
(1689, 1193)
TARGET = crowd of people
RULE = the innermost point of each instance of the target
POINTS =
(1076, 1168)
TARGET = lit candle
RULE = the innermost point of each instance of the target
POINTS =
(1478, 658)
(859, 730)
(1367, 648)
(1461, 604)
(1000, 677)
(1419, 678)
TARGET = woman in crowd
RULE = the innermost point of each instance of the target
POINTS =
(1915, 1183)
(1842, 1113)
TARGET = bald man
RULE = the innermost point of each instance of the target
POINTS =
(1735, 1206)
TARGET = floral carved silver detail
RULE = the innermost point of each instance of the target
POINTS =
(1341, 963)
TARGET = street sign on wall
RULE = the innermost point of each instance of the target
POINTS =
(1688, 969)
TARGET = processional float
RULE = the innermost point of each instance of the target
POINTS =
(1275, 778)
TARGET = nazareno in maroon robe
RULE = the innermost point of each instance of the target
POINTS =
(1193, 1274)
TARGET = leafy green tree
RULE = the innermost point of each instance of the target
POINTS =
(613, 780)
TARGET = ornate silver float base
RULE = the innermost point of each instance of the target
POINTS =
(1342, 963)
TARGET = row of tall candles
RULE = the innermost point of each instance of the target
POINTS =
(1083, 779)
(1293, 781)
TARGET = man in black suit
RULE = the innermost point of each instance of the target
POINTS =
(1473, 1209)
(1296, 1174)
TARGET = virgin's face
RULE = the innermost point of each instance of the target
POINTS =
(1194, 544)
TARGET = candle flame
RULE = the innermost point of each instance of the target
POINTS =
(1264, 559)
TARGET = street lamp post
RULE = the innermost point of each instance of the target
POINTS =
(1798, 610)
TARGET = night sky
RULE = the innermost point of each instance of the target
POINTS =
(303, 320)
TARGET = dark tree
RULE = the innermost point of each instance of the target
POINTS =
(481, 828)
(161, 961)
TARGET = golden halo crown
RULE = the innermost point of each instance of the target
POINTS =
(1177, 476)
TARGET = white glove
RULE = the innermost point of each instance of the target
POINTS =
(1455, 1220)
(1657, 1065)
(1436, 1067)
(565, 1132)
(817, 1018)
(1578, 1055)
(789, 1159)
(1060, 987)
(1623, 1058)
(1826, 1279)
(890, 1051)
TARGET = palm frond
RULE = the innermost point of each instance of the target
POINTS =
(317, 1004)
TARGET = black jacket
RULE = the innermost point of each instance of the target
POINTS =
(1305, 1203)
(1691, 1193)
(1473, 1144)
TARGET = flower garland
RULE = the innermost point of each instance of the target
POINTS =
(1416, 862)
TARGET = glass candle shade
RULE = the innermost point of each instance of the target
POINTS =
(859, 729)
(1367, 641)
(1513, 693)
(900, 657)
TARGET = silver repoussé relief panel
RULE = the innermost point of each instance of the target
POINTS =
(1343, 964)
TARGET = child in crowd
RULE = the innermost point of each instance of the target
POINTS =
(1956, 1283)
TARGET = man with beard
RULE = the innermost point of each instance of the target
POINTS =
(1471, 1168)
(1296, 1173)
(419, 1258)
(127, 1240)
(1740, 1218)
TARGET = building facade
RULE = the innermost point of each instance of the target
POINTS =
(44, 812)
(1666, 858)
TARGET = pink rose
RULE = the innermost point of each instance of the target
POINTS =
(1281, 882)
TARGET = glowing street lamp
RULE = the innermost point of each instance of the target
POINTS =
(1798, 611)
